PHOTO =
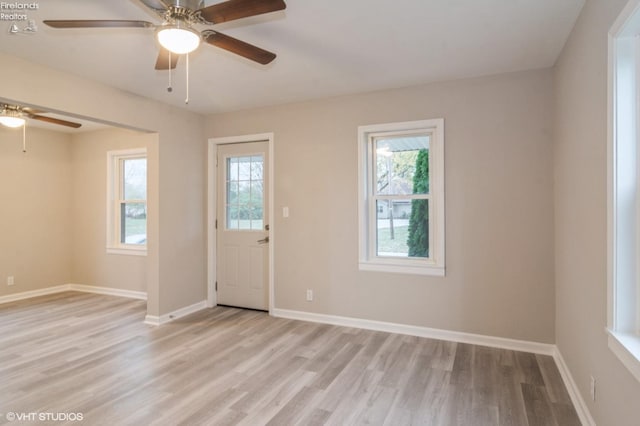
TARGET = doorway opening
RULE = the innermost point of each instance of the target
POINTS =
(240, 209)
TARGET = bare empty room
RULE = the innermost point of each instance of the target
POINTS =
(302, 212)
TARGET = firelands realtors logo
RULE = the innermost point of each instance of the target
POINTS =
(16, 12)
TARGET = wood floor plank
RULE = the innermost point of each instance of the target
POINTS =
(538, 406)
(296, 408)
(92, 354)
(511, 407)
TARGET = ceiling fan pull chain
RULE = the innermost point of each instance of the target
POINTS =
(170, 88)
(186, 101)
(24, 137)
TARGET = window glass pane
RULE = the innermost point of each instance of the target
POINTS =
(402, 228)
(256, 217)
(256, 167)
(133, 223)
(232, 217)
(232, 192)
(256, 193)
(418, 238)
(402, 165)
(232, 169)
(134, 178)
(245, 193)
(244, 168)
(244, 215)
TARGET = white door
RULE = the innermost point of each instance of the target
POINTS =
(243, 226)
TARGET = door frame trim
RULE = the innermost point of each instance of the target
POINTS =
(212, 204)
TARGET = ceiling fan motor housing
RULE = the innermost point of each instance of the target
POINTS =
(166, 4)
(188, 4)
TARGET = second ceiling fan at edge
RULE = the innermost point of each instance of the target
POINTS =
(183, 15)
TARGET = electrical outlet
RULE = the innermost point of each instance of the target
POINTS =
(10, 280)
(309, 295)
(592, 388)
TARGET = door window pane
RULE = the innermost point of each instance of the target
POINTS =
(245, 193)
(256, 168)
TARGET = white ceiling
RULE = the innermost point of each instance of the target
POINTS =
(325, 48)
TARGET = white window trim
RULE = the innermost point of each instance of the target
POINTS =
(435, 265)
(113, 181)
(623, 319)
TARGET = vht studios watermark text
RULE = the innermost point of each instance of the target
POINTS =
(11, 11)
(43, 417)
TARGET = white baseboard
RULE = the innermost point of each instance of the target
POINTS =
(412, 330)
(33, 293)
(578, 402)
(171, 316)
(74, 287)
(141, 295)
(149, 319)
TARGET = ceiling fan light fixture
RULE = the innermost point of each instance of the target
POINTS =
(11, 120)
(178, 39)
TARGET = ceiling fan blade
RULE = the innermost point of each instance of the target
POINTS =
(55, 121)
(163, 63)
(99, 23)
(235, 9)
(238, 47)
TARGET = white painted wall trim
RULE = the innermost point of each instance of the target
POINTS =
(623, 189)
(114, 187)
(578, 402)
(212, 206)
(141, 295)
(178, 313)
(626, 347)
(73, 287)
(368, 259)
(33, 293)
(413, 330)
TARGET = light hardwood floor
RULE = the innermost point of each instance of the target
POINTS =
(92, 354)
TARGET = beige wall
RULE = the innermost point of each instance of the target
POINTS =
(176, 266)
(499, 214)
(35, 189)
(54, 229)
(91, 264)
(581, 218)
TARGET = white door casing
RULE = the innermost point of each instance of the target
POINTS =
(242, 236)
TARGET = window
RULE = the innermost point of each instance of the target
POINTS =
(127, 202)
(623, 319)
(244, 197)
(401, 191)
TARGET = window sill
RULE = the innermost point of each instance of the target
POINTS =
(437, 271)
(127, 251)
(626, 347)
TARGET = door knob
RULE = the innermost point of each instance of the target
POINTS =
(264, 240)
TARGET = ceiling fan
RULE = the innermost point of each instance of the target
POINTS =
(177, 35)
(16, 115)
